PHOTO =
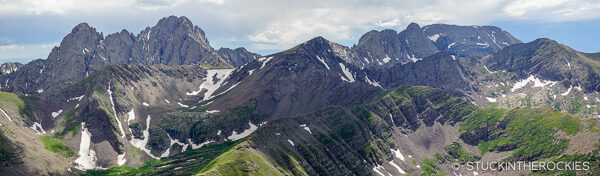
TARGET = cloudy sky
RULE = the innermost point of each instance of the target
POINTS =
(30, 28)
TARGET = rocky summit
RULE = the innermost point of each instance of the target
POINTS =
(416, 102)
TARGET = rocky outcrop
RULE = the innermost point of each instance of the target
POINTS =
(10, 67)
(440, 71)
(237, 57)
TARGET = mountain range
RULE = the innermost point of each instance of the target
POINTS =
(418, 101)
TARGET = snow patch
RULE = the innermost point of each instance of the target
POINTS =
(141, 143)
(451, 44)
(173, 141)
(483, 44)
(488, 69)
(536, 83)
(209, 84)
(434, 38)
(76, 98)
(386, 59)
(578, 87)
(291, 142)
(346, 73)
(121, 159)
(567, 92)
(264, 60)
(212, 111)
(568, 64)
(182, 105)
(145, 104)
(491, 99)
(398, 154)
(197, 146)
(55, 114)
(305, 128)
(374, 83)
(130, 115)
(397, 167)
(87, 156)
(168, 102)
(5, 114)
(235, 136)
(376, 170)
(324, 63)
(413, 58)
(37, 126)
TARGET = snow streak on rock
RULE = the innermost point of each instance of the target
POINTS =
(112, 103)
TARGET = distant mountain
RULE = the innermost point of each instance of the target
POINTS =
(463, 41)
(535, 73)
(172, 41)
(388, 47)
(237, 57)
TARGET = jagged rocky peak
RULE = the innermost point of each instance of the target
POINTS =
(316, 43)
(417, 43)
(10, 67)
(175, 41)
(82, 36)
(180, 26)
(413, 26)
(387, 47)
(327, 50)
(376, 43)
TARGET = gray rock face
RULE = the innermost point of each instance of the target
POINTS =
(439, 70)
(114, 49)
(10, 67)
(65, 65)
(175, 41)
(172, 41)
(237, 57)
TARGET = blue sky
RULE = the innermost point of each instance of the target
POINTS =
(30, 28)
